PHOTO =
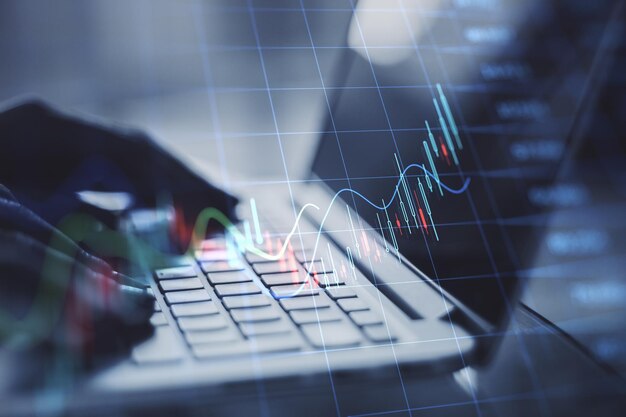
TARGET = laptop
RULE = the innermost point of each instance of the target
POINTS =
(390, 259)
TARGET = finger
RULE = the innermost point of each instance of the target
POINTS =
(5, 194)
(32, 270)
(166, 180)
(17, 218)
(188, 189)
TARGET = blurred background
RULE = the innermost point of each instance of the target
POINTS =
(192, 74)
(187, 72)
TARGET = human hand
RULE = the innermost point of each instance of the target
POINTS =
(50, 286)
(48, 157)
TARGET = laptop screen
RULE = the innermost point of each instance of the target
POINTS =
(449, 137)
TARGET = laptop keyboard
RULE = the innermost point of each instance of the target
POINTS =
(249, 305)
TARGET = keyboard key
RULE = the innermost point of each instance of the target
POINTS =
(243, 288)
(213, 322)
(305, 303)
(317, 267)
(285, 343)
(265, 328)
(366, 318)
(176, 272)
(163, 346)
(221, 266)
(289, 291)
(251, 315)
(177, 297)
(379, 333)
(194, 309)
(315, 316)
(328, 280)
(275, 267)
(340, 292)
(332, 335)
(213, 243)
(215, 255)
(247, 301)
(285, 278)
(229, 277)
(211, 336)
(253, 258)
(158, 319)
(352, 304)
(181, 284)
(213, 351)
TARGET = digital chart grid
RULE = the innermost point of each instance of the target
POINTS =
(417, 180)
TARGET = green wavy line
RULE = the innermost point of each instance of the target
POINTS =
(55, 277)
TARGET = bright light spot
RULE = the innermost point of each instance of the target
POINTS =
(386, 30)
(106, 201)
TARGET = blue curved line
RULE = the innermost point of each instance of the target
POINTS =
(395, 193)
